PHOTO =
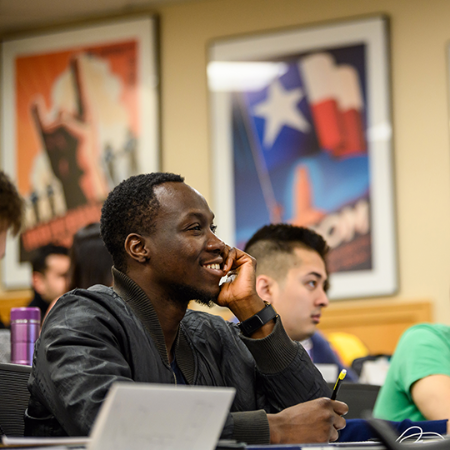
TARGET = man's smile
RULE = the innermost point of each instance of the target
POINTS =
(214, 268)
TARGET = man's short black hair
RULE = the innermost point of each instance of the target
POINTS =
(131, 207)
(11, 205)
(273, 247)
(40, 255)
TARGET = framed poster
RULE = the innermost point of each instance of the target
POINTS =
(79, 115)
(301, 133)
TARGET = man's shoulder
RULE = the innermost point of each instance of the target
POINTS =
(89, 302)
(319, 339)
(430, 330)
(100, 288)
(97, 292)
(424, 338)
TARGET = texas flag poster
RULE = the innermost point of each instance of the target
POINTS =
(301, 134)
(300, 153)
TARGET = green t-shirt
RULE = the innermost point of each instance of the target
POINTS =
(423, 350)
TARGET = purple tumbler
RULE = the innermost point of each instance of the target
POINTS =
(25, 326)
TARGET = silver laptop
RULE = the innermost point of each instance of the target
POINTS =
(137, 416)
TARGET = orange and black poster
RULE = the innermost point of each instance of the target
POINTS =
(76, 112)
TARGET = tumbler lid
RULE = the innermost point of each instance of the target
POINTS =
(25, 313)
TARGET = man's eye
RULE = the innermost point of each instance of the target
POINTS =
(312, 283)
(214, 228)
(196, 227)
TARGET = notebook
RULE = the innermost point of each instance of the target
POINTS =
(137, 416)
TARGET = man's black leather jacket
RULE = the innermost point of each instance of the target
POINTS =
(92, 338)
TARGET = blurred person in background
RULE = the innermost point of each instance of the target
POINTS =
(11, 213)
(50, 265)
(417, 385)
(291, 274)
(90, 261)
(11, 210)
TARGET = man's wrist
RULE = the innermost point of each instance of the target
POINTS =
(273, 420)
(249, 326)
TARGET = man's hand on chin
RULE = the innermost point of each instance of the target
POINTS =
(315, 421)
(239, 294)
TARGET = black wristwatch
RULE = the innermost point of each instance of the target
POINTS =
(249, 326)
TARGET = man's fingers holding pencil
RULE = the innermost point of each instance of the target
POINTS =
(314, 421)
(340, 408)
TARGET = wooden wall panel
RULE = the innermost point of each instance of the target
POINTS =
(13, 299)
(378, 323)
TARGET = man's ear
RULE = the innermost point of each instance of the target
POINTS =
(265, 287)
(37, 280)
(136, 247)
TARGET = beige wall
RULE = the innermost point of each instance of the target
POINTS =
(420, 32)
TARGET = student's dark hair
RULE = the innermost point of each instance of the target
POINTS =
(11, 205)
(90, 261)
(273, 247)
(131, 207)
(40, 255)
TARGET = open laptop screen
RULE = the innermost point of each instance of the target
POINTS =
(158, 416)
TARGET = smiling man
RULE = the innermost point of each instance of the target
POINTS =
(292, 276)
(162, 239)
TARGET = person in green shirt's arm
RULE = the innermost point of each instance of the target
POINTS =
(417, 386)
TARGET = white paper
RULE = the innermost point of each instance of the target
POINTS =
(329, 372)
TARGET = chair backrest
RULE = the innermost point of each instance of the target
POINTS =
(348, 346)
(5, 346)
(359, 397)
(14, 397)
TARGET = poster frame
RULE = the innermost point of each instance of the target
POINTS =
(373, 32)
(143, 28)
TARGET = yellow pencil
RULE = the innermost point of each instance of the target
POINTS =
(338, 383)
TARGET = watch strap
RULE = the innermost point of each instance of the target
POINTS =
(249, 326)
